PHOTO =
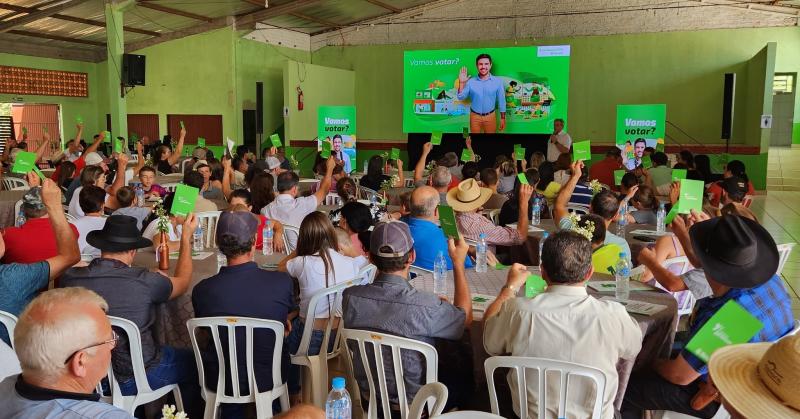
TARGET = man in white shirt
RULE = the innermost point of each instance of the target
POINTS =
(560, 141)
(290, 209)
(92, 202)
(562, 323)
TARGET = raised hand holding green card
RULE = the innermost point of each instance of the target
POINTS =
(678, 174)
(24, 162)
(647, 162)
(691, 196)
(534, 285)
(78, 119)
(436, 138)
(447, 219)
(519, 153)
(326, 150)
(731, 325)
(201, 142)
(618, 174)
(465, 132)
(523, 179)
(106, 136)
(582, 150)
(185, 197)
(673, 212)
(395, 154)
(466, 155)
(276, 140)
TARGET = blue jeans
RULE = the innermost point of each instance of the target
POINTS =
(176, 366)
(292, 342)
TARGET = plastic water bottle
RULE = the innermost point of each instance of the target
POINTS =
(366, 166)
(480, 263)
(623, 210)
(661, 215)
(373, 200)
(338, 405)
(197, 239)
(440, 274)
(139, 196)
(622, 274)
(20, 219)
(541, 247)
(266, 239)
(536, 217)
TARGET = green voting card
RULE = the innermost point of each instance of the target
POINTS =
(691, 197)
(519, 153)
(185, 197)
(672, 213)
(326, 150)
(106, 136)
(276, 140)
(201, 142)
(523, 179)
(119, 145)
(647, 162)
(79, 119)
(395, 154)
(447, 219)
(582, 150)
(499, 266)
(678, 174)
(534, 285)
(618, 174)
(44, 129)
(466, 155)
(436, 138)
(183, 126)
(24, 131)
(465, 132)
(24, 162)
(731, 325)
(660, 147)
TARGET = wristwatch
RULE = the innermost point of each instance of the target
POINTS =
(510, 288)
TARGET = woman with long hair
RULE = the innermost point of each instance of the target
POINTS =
(509, 213)
(733, 168)
(375, 177)
(91, 175)
(703, 166)
(317, 265)
(646, 204)
(262, 190)
(356, 219)
(65, 175)
(166, 159)
(547, 185)
(212, 189)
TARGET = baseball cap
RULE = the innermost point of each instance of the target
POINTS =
(92, 159)
(734, 186)
(199, 153)
(390, 239)
(238, 224)
(272, 162)
(33, 198)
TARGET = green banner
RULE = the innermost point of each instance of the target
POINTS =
(636, 123)
(534, 84)
(337, 124)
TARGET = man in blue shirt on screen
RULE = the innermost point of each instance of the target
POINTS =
(486, 94)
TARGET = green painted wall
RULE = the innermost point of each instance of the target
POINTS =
(682, 69)
(796, 131)
(71, 107)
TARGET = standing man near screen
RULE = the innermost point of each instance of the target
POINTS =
(487, 95)
(559, 142)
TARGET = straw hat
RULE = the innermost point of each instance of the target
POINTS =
(468, 196)
(760, 380)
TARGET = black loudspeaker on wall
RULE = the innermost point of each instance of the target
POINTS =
(728, 96)
(133, 70)
(259, 107)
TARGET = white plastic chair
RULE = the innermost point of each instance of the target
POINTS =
(436, 393)
(367, 274)
(409, 181)
(684, 298)
(170, 187)
(784, 250)
(333, 199)
(10, 322)
(144, 394)
(70, 218)
(18, 206)
(469, 414)
(207, 220)
(317, 365)
(795, 330)
(262, 399)
(668, 414)
(544, 366)
(379, 342)
(493, 215)
(367, 193)
(578, 209)
(290, 235)
(15, 184)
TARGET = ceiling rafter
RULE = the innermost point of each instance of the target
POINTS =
(323, 22)
(7, 25)
(385, 6)
(392, 11)
(56, 37)
(250, 18)
(170, 10)
(89, 22)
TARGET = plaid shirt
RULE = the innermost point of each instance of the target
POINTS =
(768, 302)
(472, 224)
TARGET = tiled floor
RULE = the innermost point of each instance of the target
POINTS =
(783, 169)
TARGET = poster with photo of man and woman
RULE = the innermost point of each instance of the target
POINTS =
(639, 127)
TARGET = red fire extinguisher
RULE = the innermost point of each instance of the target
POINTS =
(299, 98)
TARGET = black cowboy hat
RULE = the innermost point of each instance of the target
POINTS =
(119, 234)
(735, 251)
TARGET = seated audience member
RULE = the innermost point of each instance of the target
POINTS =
(450, 161)
(64, 341)
(547, 186)
(489, 180)
(240, 168)
(290, 209)
(741, 270)
(660, 173)
(211, 189)
(174, 226)
(391, 305)
(65, 177)
(198, 154)
(147, 176)
(604, 203)
(133, 294)
(627, 184)
(509, 213)
(506, 176)
(734, 168)
(646, 204)
(317, 265)
(242, 289)
(604, 256)
(356, 219)
(241, 200)
(758, 379)
(89, 156)
(375, 177)
(423, 223)
(19, 282)
(467, 200)
(165, 159)
(34, 241)
(126, 197)
(603, 170)
(348, 192)
(96, 175)
(563, 323)
(439, 177)
(582, 195)
(537, 158)
(686, 158)
(703, 166)
(195, 180)
(470, 170)
(562, 164)
(91, 201)
(262, 188)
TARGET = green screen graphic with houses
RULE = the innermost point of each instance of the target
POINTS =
(535, 82)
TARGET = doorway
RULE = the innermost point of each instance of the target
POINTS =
(31, 120)
(784, 88)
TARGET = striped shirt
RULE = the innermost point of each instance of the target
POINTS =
(581, 195)
(472, 224)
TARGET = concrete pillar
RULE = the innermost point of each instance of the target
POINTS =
(115, 41)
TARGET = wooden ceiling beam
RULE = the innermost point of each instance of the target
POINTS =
(217, 23)
(385, 6)
(250, 18)
(323, 22)
(89, 22)
(8, 25)
(92, 55)
(164, 9)
(56, 37)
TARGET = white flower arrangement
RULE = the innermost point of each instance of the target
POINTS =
(293, 162)
(169, 412)
(587, 231)
(595, 186)
(429, 167)
(163, 221)
(389, 183)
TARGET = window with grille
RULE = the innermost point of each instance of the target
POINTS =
(35, 81)
(783, 83)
